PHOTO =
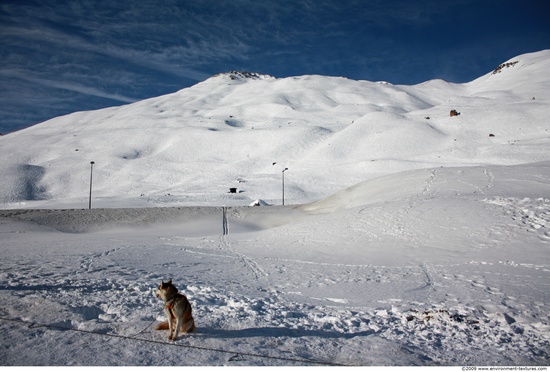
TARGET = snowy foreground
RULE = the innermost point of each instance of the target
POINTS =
(440, 266)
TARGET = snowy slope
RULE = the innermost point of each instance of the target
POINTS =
(190, 147)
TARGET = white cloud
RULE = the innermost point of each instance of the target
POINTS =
(70, 86)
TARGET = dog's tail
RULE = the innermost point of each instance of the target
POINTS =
(161, 326)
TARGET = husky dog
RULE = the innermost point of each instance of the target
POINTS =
(178, 310)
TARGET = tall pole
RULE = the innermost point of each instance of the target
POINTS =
(284, 185)
(91, 174)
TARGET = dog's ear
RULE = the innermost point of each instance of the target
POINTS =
(169, 282)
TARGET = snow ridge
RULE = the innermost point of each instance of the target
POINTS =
(243, 75)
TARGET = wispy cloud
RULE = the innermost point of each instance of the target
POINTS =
(70, 86)
(170, 60)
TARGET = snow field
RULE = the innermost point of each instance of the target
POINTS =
(371, 276)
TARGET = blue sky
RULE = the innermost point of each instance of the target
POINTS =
(62, 56)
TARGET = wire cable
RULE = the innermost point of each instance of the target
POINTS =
(204, 348)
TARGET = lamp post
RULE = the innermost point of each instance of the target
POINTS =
(91, 174)
(284, 184)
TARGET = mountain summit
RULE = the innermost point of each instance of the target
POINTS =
(243, 75)
(191, 147)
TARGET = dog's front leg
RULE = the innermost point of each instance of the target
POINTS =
(178, 325)
(170, 326)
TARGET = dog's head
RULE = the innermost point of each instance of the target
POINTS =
(166, 290)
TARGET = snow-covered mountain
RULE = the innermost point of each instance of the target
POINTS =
(419, 238)
(240, 130)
